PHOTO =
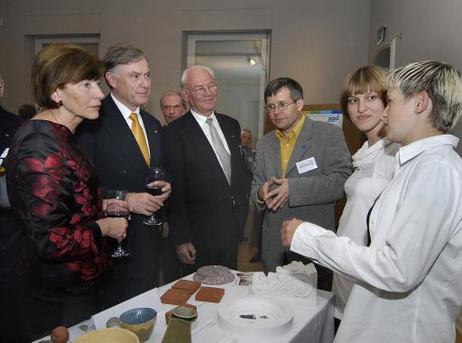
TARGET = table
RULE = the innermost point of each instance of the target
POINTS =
(313, 320)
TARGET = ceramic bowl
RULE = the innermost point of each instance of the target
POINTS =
(185, 313)
(113, 335)
(140, 321)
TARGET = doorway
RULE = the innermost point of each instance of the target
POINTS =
(240, 61)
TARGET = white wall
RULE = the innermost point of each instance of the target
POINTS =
(430, 30)
(315, 42)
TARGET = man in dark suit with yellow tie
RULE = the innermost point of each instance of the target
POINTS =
(124, 143)
(209, 201)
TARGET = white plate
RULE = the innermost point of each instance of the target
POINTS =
(256, 316)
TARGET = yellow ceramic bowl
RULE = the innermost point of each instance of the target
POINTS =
(113, 335)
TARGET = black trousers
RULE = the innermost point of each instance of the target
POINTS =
(10, 254)
(43, 310)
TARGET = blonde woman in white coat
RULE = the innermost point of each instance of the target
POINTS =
(363, 101)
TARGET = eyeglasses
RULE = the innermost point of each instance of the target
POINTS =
(202, 90)
(279, 106)
(171, 107)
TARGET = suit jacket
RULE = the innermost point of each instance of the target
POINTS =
(10, 225)
(205, 209)
(312, 193)
(119, 163)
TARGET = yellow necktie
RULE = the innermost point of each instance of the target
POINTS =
(139, 136)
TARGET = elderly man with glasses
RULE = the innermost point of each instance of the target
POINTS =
(209, 202)
(301, 169)
(172, 105)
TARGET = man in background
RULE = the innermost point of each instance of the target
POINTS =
(11, 239)
(254, 218)
(172, 105)
(124, 143)
(209, 203)
(301, 170)
(247, 151)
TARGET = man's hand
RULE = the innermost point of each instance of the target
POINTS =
(264, 191)
(278, 197)
(288, 230)
(186, 253)
(144, 203)
(147, 204)
(165, 187)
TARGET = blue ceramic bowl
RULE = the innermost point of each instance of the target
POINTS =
(140, 321)
(138, 315)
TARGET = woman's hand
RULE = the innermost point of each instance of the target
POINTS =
(113, 227)
(288, 230)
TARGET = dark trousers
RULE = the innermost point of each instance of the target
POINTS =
(9, 314)
(170, 265)
(42, 310)
(137, 273)
(119, 287)
(10, 254)
(204, 258)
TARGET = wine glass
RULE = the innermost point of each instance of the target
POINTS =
(155, 174)
(117, 207)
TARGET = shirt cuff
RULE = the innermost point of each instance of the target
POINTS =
(304, 241)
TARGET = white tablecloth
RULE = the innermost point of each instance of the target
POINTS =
(313, 320)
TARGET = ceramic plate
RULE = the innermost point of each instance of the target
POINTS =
(256, 316)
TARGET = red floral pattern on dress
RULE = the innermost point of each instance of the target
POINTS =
(56, 194)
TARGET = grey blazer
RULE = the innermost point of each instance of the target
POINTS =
(312, 193)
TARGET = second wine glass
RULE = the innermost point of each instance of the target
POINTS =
(117, 207)
(155, 174)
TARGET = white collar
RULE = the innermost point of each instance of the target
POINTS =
(124, 109)
(202, 118)
(413, 149)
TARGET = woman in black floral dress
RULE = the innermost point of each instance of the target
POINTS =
(53, 189)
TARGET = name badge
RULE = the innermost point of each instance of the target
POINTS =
(306, 165)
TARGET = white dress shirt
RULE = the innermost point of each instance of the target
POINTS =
(206, 129)
(373, 169)
(410, 278)
(126, 114)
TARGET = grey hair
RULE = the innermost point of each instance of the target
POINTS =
(443, 84)
(184, 76)
(122, 54)
(173, 92)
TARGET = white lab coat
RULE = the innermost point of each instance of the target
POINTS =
(410, 278)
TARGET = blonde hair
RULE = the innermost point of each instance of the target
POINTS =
(443, 84)
(369, 78)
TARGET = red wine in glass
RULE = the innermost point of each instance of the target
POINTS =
(155, 174)
(117, 208)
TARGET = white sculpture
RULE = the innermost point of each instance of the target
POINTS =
(295, 279)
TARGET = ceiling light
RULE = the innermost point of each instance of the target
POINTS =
(252, 61)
